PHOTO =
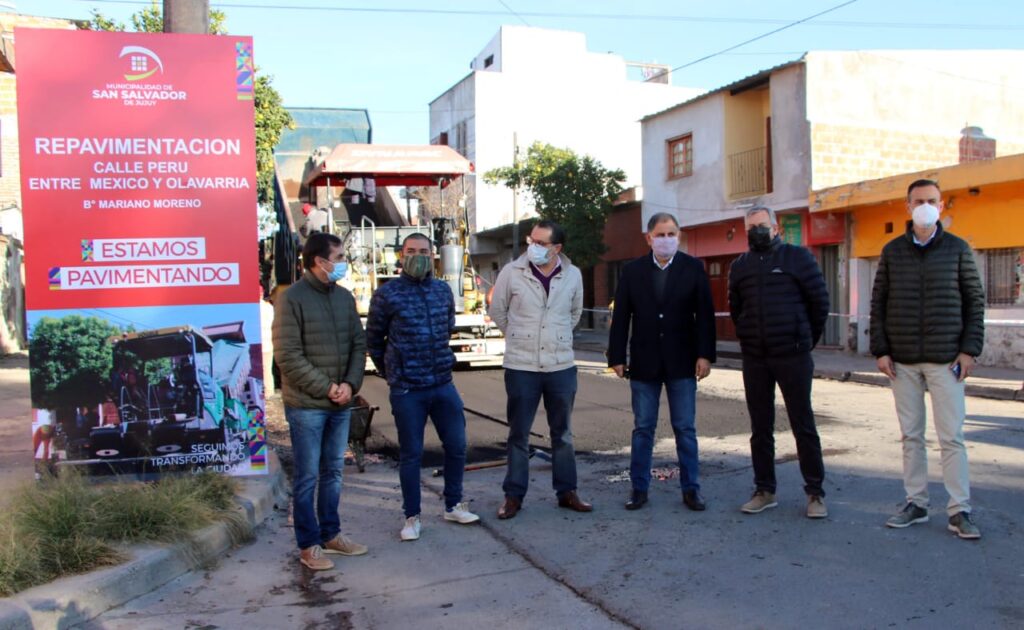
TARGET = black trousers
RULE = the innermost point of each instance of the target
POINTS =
(794, 375)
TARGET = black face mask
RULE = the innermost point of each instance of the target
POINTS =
(759, 238)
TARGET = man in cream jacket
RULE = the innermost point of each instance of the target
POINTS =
(538, 300)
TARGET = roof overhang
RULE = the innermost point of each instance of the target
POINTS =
(951, 178)
(163, 342)
(391, 165)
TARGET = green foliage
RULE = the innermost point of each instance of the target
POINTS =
(70, 361)
(149, 20)
(575, 191)
(271, 119)
(66, 525)
(271, 116)
(100, 22)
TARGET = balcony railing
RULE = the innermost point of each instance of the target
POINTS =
(747, 173)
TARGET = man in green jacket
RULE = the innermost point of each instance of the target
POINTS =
(927, 327)
(320, 348)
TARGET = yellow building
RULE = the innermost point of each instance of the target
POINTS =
(984, 205)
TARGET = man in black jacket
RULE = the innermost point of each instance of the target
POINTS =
(779, 303)
(927, 325)
(666, 299)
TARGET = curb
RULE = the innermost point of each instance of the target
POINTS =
(77, 599)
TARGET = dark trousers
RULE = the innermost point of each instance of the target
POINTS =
(793, 374)
(525, 391)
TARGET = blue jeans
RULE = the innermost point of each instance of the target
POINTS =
(525, 390)
(319, 438)
(411, 408)
(682, 406)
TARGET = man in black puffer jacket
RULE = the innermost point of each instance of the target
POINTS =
(407, 332)
(927, 325)
(779, 303)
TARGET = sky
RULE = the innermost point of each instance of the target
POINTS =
(393, 57)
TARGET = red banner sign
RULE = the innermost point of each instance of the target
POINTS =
(143, 143)
(139, 195)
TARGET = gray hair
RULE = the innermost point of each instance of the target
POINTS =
(771, 213)
(658, 217)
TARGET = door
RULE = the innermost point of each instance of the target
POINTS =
(828, 258)
(718, 276)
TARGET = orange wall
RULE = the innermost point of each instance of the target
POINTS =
(992, 219)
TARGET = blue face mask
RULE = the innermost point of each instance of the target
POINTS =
(339, 271)
(538, 254)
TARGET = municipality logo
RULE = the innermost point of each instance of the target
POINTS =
(142, 63)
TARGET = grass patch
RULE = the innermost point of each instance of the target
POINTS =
(67, 525)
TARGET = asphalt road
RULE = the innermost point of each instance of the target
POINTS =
(602, 419)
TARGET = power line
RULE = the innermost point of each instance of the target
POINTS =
(644, 17)
(751, 40)
(521, 19)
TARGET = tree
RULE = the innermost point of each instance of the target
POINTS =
(70, 361)
(271, 118)
(575, 191)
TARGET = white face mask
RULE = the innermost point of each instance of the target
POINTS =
(665, 246)
(538, 254)
(926, 215)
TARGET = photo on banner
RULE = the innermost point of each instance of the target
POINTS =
(138, 175)
(148, 389)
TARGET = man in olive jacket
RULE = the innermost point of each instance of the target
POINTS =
(927, 326)
(320, 349)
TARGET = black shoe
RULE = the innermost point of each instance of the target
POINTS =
(636, 500)
(693, 500)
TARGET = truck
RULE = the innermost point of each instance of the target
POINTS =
(176, 393)
(372, 248)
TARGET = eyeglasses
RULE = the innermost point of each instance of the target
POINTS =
(530, 241)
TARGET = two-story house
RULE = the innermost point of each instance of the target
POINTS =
(826, 119)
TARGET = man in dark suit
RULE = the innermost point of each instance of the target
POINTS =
(666, 299)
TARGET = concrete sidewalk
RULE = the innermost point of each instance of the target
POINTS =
(986, 382)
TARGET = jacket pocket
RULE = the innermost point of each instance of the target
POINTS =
(801, 332)
(563, 347)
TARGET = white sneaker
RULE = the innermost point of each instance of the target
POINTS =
(411, 531)
(461, 514)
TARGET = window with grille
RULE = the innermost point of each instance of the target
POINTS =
(680, 157)
(1004, 272)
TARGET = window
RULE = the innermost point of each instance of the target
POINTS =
(461, 138)
(680, 157)
(489, 61)
(1004, 272)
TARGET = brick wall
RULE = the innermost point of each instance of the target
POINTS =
(842, 154)
(10, 174)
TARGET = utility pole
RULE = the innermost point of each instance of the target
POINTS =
(515, 198)
(187, 16)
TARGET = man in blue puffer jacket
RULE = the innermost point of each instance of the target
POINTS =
(407, 332)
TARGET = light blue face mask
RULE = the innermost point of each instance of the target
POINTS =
(339, 271)
(538, 254)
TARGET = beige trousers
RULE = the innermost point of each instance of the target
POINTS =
(949, 410)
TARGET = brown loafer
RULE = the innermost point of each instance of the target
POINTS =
(510, 507)
(573, 501)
